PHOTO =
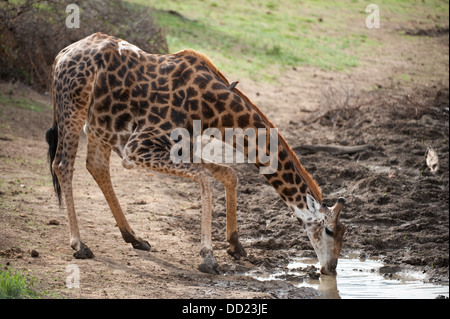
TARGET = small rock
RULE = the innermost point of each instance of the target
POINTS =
(432, 160)
(389, 269)
(53, 222)
(34, 253)
(312, 272)
(412, 261)
(314, 275)
(291, 278)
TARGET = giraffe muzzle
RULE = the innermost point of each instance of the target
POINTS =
(329, 269)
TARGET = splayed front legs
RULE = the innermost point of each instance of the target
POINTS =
(143, 150)
(150, 155)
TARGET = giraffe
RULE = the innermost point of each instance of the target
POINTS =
(128, 101)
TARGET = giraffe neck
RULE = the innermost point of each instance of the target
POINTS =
(287, 179)
(287, 176)
(285, 153)
(285, 149)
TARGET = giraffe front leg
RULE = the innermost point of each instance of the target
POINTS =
(228, 178)
(143, 150)
(209, 265)
(236, 250)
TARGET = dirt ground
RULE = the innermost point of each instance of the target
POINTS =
(396, 210)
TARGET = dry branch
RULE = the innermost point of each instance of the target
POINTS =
(333, 149)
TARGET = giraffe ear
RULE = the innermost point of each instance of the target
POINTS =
(313, 205)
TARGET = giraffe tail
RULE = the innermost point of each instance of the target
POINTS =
(52, 139)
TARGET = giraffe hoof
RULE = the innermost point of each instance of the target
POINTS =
(238, 251)
(209, 268)
(209, 265)
(141, 245)
(83, 253)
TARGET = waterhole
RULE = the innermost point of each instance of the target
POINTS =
(359, 279)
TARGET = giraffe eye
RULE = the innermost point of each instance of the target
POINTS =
(329, 232)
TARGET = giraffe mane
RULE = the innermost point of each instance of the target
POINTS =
(207, 61)
(312, 184)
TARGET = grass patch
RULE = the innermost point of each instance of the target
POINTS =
(258, 39)
(18, 285)
(255, 39)
(24, 103)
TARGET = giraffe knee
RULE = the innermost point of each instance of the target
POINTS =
(55, 168)
(205, 178)
(230, 178)
(91, 167)
(60, 167)
(128, 163)
(94, 166)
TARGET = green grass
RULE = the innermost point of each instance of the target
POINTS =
(17, 285)
(25, 103)
(258, 39)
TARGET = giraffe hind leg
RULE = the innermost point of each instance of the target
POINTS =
(97, 163)
(71, 103)
(62, 166)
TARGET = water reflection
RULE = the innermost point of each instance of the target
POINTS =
(328, 288)
(360, 279)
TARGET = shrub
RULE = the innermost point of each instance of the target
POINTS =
(32, 32)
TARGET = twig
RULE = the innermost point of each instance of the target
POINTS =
(333, 149)
(179, 15)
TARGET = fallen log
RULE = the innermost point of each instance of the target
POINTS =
(333, 149)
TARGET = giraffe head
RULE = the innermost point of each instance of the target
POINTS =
(324, 230)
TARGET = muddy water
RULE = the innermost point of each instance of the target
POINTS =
(360, 279)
